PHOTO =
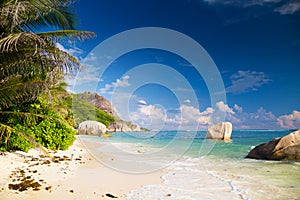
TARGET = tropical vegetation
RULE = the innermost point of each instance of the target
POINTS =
(33, 108)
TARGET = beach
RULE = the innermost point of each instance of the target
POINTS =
(132, 167)
(77, 176)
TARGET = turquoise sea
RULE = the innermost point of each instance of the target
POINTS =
(196, 168)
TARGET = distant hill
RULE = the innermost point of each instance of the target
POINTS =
(92, 106)
(86, 107)
(98, 102)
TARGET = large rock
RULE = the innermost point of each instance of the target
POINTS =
(284, 148)
(115, 127)
(123, 127)
(126, 128)
(99, 102)
(91, 128)
(220, 131)
(135, 128)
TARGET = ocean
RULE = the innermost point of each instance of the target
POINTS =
(196, 168)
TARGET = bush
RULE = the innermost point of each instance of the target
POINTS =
(43, 123)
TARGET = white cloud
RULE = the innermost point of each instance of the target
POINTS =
(122, 82)
(242, 3)
(72, 51)
(188, 114)
(182, 89)
(290, 121)
(142, 102)
(281, 6)
(262, 115)
(260, 2)
(238, 108)
(187, 101)
(288, 8)
(261, 119)
(224, 107)
(153, 111)
(245, 81)
(205, 116)
(190, 118)
(90, 57)
(150, 116)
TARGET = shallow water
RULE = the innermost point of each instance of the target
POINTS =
(199, 169)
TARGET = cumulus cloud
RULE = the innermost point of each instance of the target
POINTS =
(188, 114)
(224, 107)
(289, 8)
(260, 119)
(290, 121)
(188, 117)
(238, 108)
(153, 111)
(150, 116)
(245, 81)
(280, 6)
(72, 51)
(242, 3)
(122, 82)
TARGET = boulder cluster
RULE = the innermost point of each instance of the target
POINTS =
(97, 128)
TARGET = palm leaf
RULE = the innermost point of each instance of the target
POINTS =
(22, 15)
(52, 12)
(18, 92)
(41, 57)
(70, 34)
(18, 41)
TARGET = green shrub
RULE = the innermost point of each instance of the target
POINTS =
(54, 135)
(41, 122)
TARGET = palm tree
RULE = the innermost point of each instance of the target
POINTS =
(30, 62)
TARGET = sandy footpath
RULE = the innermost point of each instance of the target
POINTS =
(73, 174)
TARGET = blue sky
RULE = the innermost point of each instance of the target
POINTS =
(254, 44)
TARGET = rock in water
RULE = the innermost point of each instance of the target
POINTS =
(284, 148)
(220, 131)
(91, 128)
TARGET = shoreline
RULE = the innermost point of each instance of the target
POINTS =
(74, 174)
(85, 175)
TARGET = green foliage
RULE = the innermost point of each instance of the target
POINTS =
(15, 142)
(54, 135)
(31, 66)
(44, 125)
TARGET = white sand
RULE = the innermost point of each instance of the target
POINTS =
(81, 178)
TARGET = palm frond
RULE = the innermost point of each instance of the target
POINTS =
(52, 13)
(18, 92)
(26, 63)
(19, 15)
(18, 41)
(70, 34)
